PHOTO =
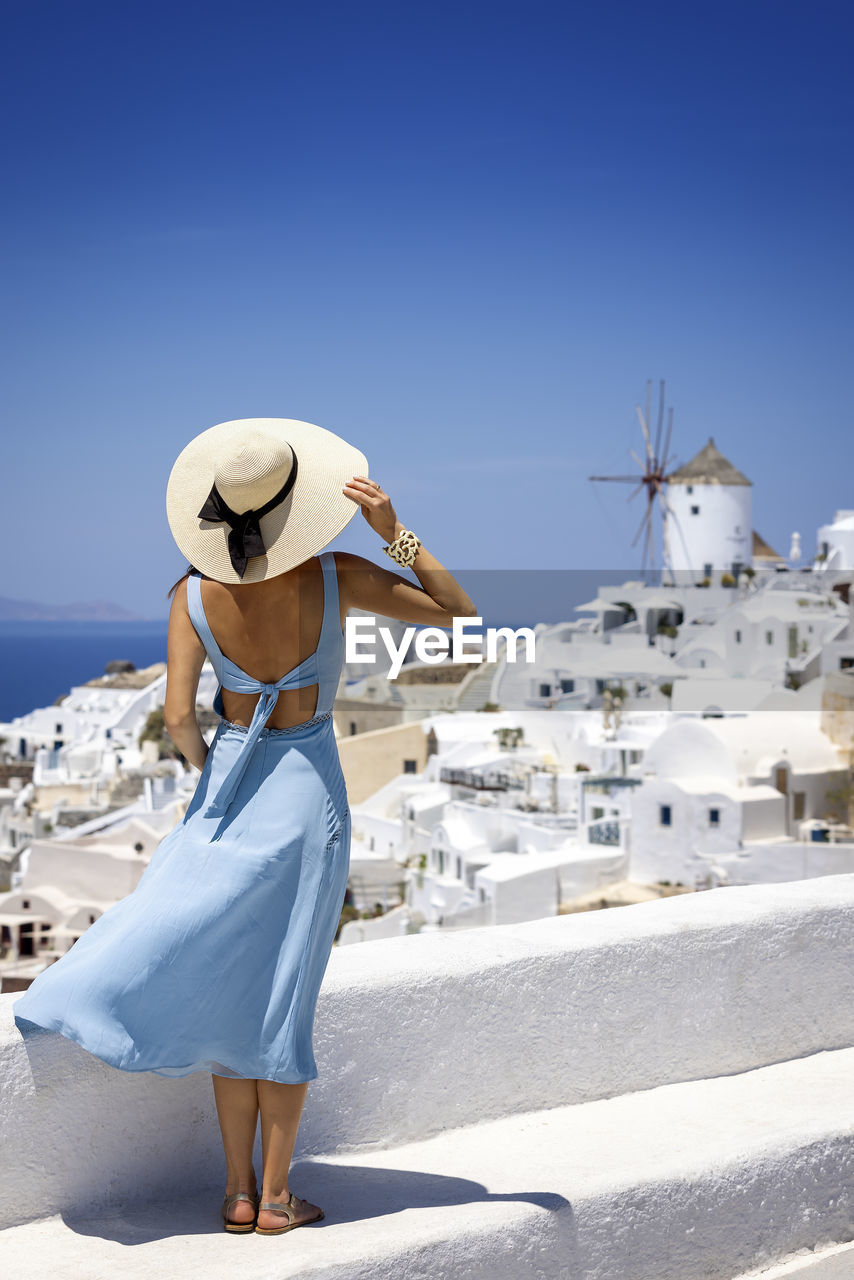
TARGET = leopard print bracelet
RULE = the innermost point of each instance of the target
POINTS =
(404, 549)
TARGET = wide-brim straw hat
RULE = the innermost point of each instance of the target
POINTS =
(242, 467)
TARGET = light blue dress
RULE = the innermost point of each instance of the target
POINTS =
(215, 961)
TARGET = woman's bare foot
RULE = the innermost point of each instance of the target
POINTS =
(303, 1211)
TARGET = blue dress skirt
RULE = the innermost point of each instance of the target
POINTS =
(215, 961)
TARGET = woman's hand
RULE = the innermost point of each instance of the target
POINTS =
(376, 506)
(436, 602)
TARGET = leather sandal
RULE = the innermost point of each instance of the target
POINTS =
(288, 1209)
(239, 1228)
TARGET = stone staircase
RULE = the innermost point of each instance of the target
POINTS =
(475, 689)
(655, 1092)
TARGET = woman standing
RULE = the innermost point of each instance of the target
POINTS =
(215, 961)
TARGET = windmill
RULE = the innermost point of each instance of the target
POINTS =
(653, 477)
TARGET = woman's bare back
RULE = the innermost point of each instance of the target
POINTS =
(268, 628)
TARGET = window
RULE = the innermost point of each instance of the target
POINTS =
(845, 663)
(600, 686)
(689, 488)
(57, 744)
(410, 766)
(695, 511)
(714, 817)
(372, 844)
(353, 729)
(545, 690)
(91, 919)
(664, 815)
(738, 637)
(567, 686)
(769, 637)
(459, 868)
(799, 804)
(598, 812)
(441, 853)
(707, 570)
(58, 729)
(25, 905)
(482, 893)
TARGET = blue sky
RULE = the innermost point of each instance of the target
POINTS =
(461, 235)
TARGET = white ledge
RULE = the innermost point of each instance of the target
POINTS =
(419, 1035)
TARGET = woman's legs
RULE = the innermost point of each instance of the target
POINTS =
(281, 1108)
(237, 1109)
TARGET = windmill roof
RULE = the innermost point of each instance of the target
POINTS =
(762, 551)
(708, 467)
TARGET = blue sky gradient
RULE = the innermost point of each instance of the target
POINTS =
(460, 235)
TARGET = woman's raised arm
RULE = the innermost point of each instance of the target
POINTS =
(368, 586)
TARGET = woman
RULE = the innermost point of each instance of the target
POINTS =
(215, 961)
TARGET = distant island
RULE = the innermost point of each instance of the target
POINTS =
(86, 611)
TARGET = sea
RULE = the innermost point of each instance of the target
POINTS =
(40, 661)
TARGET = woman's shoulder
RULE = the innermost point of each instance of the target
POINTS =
(347, 560)
(348, 566)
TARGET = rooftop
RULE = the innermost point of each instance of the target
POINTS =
(708, 467)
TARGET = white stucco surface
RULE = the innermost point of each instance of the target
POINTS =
(662, 1185)
(833, 1263)
(642, 1083)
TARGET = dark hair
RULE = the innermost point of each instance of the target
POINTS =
(175, 585)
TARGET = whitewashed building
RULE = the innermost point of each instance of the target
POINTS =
(66, 882)
(835, 551)
(734, 800)
(708, 527)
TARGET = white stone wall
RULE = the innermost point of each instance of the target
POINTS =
(520, 1018)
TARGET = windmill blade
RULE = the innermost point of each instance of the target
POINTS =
(645, 430)
(665, 541)
(648, 414)
(660, 417)
(667, 438)
(651, 542)
(666, 509)
(647, 539)
(637, 490)
(625, 479)
(638, 461)
(646, 517)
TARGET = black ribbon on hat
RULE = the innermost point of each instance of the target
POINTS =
(244, 527)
